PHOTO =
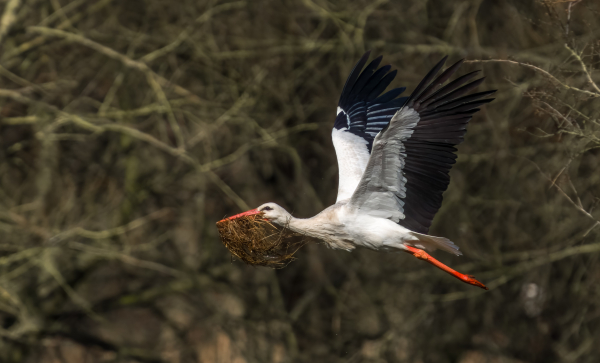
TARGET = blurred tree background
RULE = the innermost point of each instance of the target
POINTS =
(128, 128)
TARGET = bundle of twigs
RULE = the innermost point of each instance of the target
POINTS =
(258, 242)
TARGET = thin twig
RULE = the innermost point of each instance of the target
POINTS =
(79, 39)
(38, 41)
(206, 16)
(162, 98)
(8, 17)
(584, 68)
(539, 70)
(507, 273)
(579, 208)
(130, 260)
(108, 233)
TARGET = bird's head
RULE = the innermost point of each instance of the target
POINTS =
(271, 212)
(274, 213)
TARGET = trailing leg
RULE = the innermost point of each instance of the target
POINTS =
(422, 255)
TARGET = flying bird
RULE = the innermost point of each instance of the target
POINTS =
(394, 154)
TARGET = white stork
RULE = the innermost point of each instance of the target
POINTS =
(394, 154)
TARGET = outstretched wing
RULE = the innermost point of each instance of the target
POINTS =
(362, 112)
(411, 157)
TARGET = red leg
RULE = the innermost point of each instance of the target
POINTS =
(422, 255)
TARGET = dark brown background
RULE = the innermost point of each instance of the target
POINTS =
(130, 127)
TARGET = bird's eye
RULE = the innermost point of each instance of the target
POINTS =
(267, 208)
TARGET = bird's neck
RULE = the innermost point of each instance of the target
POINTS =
(299, 225)
(325, 226)
(313, 227)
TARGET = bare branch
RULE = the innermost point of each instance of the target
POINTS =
(584, 68)
(539, 70)
(8, 17)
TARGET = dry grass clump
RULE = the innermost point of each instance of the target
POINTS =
(258, 242)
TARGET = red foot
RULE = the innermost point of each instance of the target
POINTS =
(422, 255)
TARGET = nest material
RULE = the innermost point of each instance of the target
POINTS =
(258, 242)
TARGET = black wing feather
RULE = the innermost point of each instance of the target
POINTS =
(365, 110)
(383, 84)
(435, 85)
(432, 73)
(392, 94)
(353, 77)
(444, 113)
(367, 78)
(440, 93)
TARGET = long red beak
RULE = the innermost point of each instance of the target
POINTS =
(247, 213)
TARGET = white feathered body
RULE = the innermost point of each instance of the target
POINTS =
(343, 227)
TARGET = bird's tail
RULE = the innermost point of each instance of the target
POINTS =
(431, 243)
